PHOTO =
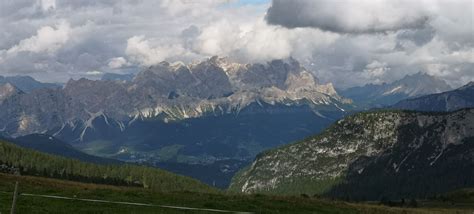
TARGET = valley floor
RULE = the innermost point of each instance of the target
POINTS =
(31, 187)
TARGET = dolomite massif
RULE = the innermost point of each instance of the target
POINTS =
(168, 91)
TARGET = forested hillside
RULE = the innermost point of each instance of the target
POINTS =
(51, 145)
(370, 155)
(17, 160)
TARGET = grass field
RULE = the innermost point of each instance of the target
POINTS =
(222, 201)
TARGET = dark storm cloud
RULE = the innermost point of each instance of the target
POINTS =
(349, 16)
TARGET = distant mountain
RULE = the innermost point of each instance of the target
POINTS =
(369, 156)
(48, 144)
(447, 101)
(119, 77)
(385, 94)
(200, 113)
(26, 83)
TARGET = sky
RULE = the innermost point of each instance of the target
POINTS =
(346, 42)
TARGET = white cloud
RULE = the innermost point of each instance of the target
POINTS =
(375, 70)
(257, 41)
(118, 62)
(94, 73)
(47, 39)
(340, 46)
(47, 5)
(141, 51)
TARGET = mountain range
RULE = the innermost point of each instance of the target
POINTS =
(371, 155)
(26, 83)
(462, 97)
(386, 94)
(168, 91)
(202, 113)
(212, 116)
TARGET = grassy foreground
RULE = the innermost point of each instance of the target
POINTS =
(247, 203)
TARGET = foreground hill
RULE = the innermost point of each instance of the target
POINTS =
(186, 202)
(447, 101)
(17, 160)
(392, 154)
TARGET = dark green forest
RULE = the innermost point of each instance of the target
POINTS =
(17, 160)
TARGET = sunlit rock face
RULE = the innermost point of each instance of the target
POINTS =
(169, 92)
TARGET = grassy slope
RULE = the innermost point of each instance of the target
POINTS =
(250, 203)
(46, 165)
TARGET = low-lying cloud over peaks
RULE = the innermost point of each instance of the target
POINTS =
(48, 39)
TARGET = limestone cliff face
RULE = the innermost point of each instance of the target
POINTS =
(169, 92)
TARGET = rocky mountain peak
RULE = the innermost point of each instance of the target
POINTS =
(469, 85)
(26, 83)
(419, 84)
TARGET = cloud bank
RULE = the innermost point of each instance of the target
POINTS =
(347, 42)
(349, 16)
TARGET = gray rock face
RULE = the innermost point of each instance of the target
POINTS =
(388, 94)
(7, 90)
(117, 77)
(381, 151)
(167, 91)
(26, 83)
(448, 101)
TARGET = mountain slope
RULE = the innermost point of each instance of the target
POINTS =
(14, 159)
(397, 153)
(117, 77)
(447, 101)
(387, 94)
(48, 144)
(26, 83)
